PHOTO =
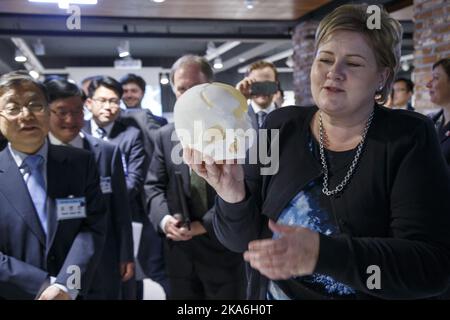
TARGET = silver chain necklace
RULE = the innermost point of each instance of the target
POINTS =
(350, 171)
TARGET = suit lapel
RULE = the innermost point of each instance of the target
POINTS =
(183, 169)
(91, 144)
(55, 175)
(87, 127)
(253, 118)
(116, 129)
(15, 190)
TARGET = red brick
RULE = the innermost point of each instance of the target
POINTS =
(423, 15)
(423, 52)
(443, 48)
(443, 29)
(427, 59)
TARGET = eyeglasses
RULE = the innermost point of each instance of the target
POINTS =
(13, 109)
(63, 114)
(111, 102)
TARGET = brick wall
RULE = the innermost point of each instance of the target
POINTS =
(431, 42)
(303, 43)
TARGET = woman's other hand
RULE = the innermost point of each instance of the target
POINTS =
(295, 253)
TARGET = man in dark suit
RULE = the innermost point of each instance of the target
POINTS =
(439, 86)
(199, 267)
(260, 104)
(52, 214)
(103, 102)
(3, 142)
(150, 253)
(402, 92)
(66, 120)
(133, 92)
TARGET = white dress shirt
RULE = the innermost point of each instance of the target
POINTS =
(107, 128)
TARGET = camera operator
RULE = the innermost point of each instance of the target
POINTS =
(260, 85)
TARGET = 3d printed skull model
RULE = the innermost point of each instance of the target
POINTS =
(212, 118)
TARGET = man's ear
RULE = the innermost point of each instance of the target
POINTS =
(88, 104)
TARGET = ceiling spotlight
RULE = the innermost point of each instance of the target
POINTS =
(163, 79)
(64, 4)
(210, 48)
(249, 4)
(405, 66)
(124, 49)
(34, 74)
(218, 63)
(39, 48)
(158, 1)
(19, 56)
(289, 62)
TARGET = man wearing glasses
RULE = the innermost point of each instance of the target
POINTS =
(66, 121)
(52, 214)
(103, 102)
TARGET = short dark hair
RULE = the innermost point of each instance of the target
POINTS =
(88, 79)
(133, 78)
(15, 78)
(445, 63)
(61, 89)
(190, 59)
(409, 84)
(107, 82)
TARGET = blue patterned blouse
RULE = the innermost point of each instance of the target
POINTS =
(311, 209)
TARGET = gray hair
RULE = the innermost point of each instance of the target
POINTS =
(191, 59)
(15, 78)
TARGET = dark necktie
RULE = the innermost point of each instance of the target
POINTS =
(36, 187)
(261, 117)
(101, 133)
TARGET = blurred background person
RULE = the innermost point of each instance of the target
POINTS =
(439, 87)
(403, 90)
(150, 252)
(103, 102)
(278, 98)
(66, 102)
(133, 92)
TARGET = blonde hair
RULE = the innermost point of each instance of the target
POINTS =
(385, 41)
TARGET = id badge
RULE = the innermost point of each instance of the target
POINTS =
(105, 185)
(70, 208)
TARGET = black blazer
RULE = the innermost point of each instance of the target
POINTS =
(147, 122)
(444, 139)
(443, 134)
(27, 257)
(119, 239)
(131, 145)
(394, 213)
